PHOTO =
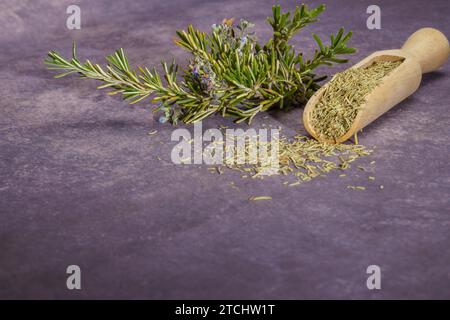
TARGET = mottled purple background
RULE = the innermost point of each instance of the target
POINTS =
(80, 182)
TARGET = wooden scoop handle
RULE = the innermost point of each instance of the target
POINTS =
(429, 47)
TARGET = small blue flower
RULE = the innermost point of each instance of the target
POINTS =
(243, 40)
(195, 71)
(162, 119)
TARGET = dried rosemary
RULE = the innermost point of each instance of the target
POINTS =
(303, 159)
(336, 110)
(230, 72)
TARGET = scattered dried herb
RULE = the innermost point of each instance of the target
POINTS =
(356, 187)
(257, 198)
(299, 157)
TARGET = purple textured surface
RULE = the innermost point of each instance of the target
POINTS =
(80, 182)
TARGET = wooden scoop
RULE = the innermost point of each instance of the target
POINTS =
(426, 50)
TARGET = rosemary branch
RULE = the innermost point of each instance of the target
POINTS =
(230, 72)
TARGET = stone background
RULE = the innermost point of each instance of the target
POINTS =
(80, 182)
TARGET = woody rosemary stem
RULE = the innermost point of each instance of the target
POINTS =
(229, 72)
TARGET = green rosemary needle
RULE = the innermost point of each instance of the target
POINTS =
(229, 72)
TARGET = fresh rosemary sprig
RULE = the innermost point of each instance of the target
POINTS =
(229, 73)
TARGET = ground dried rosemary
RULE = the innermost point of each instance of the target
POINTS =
(303, 159)
(336, 110)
